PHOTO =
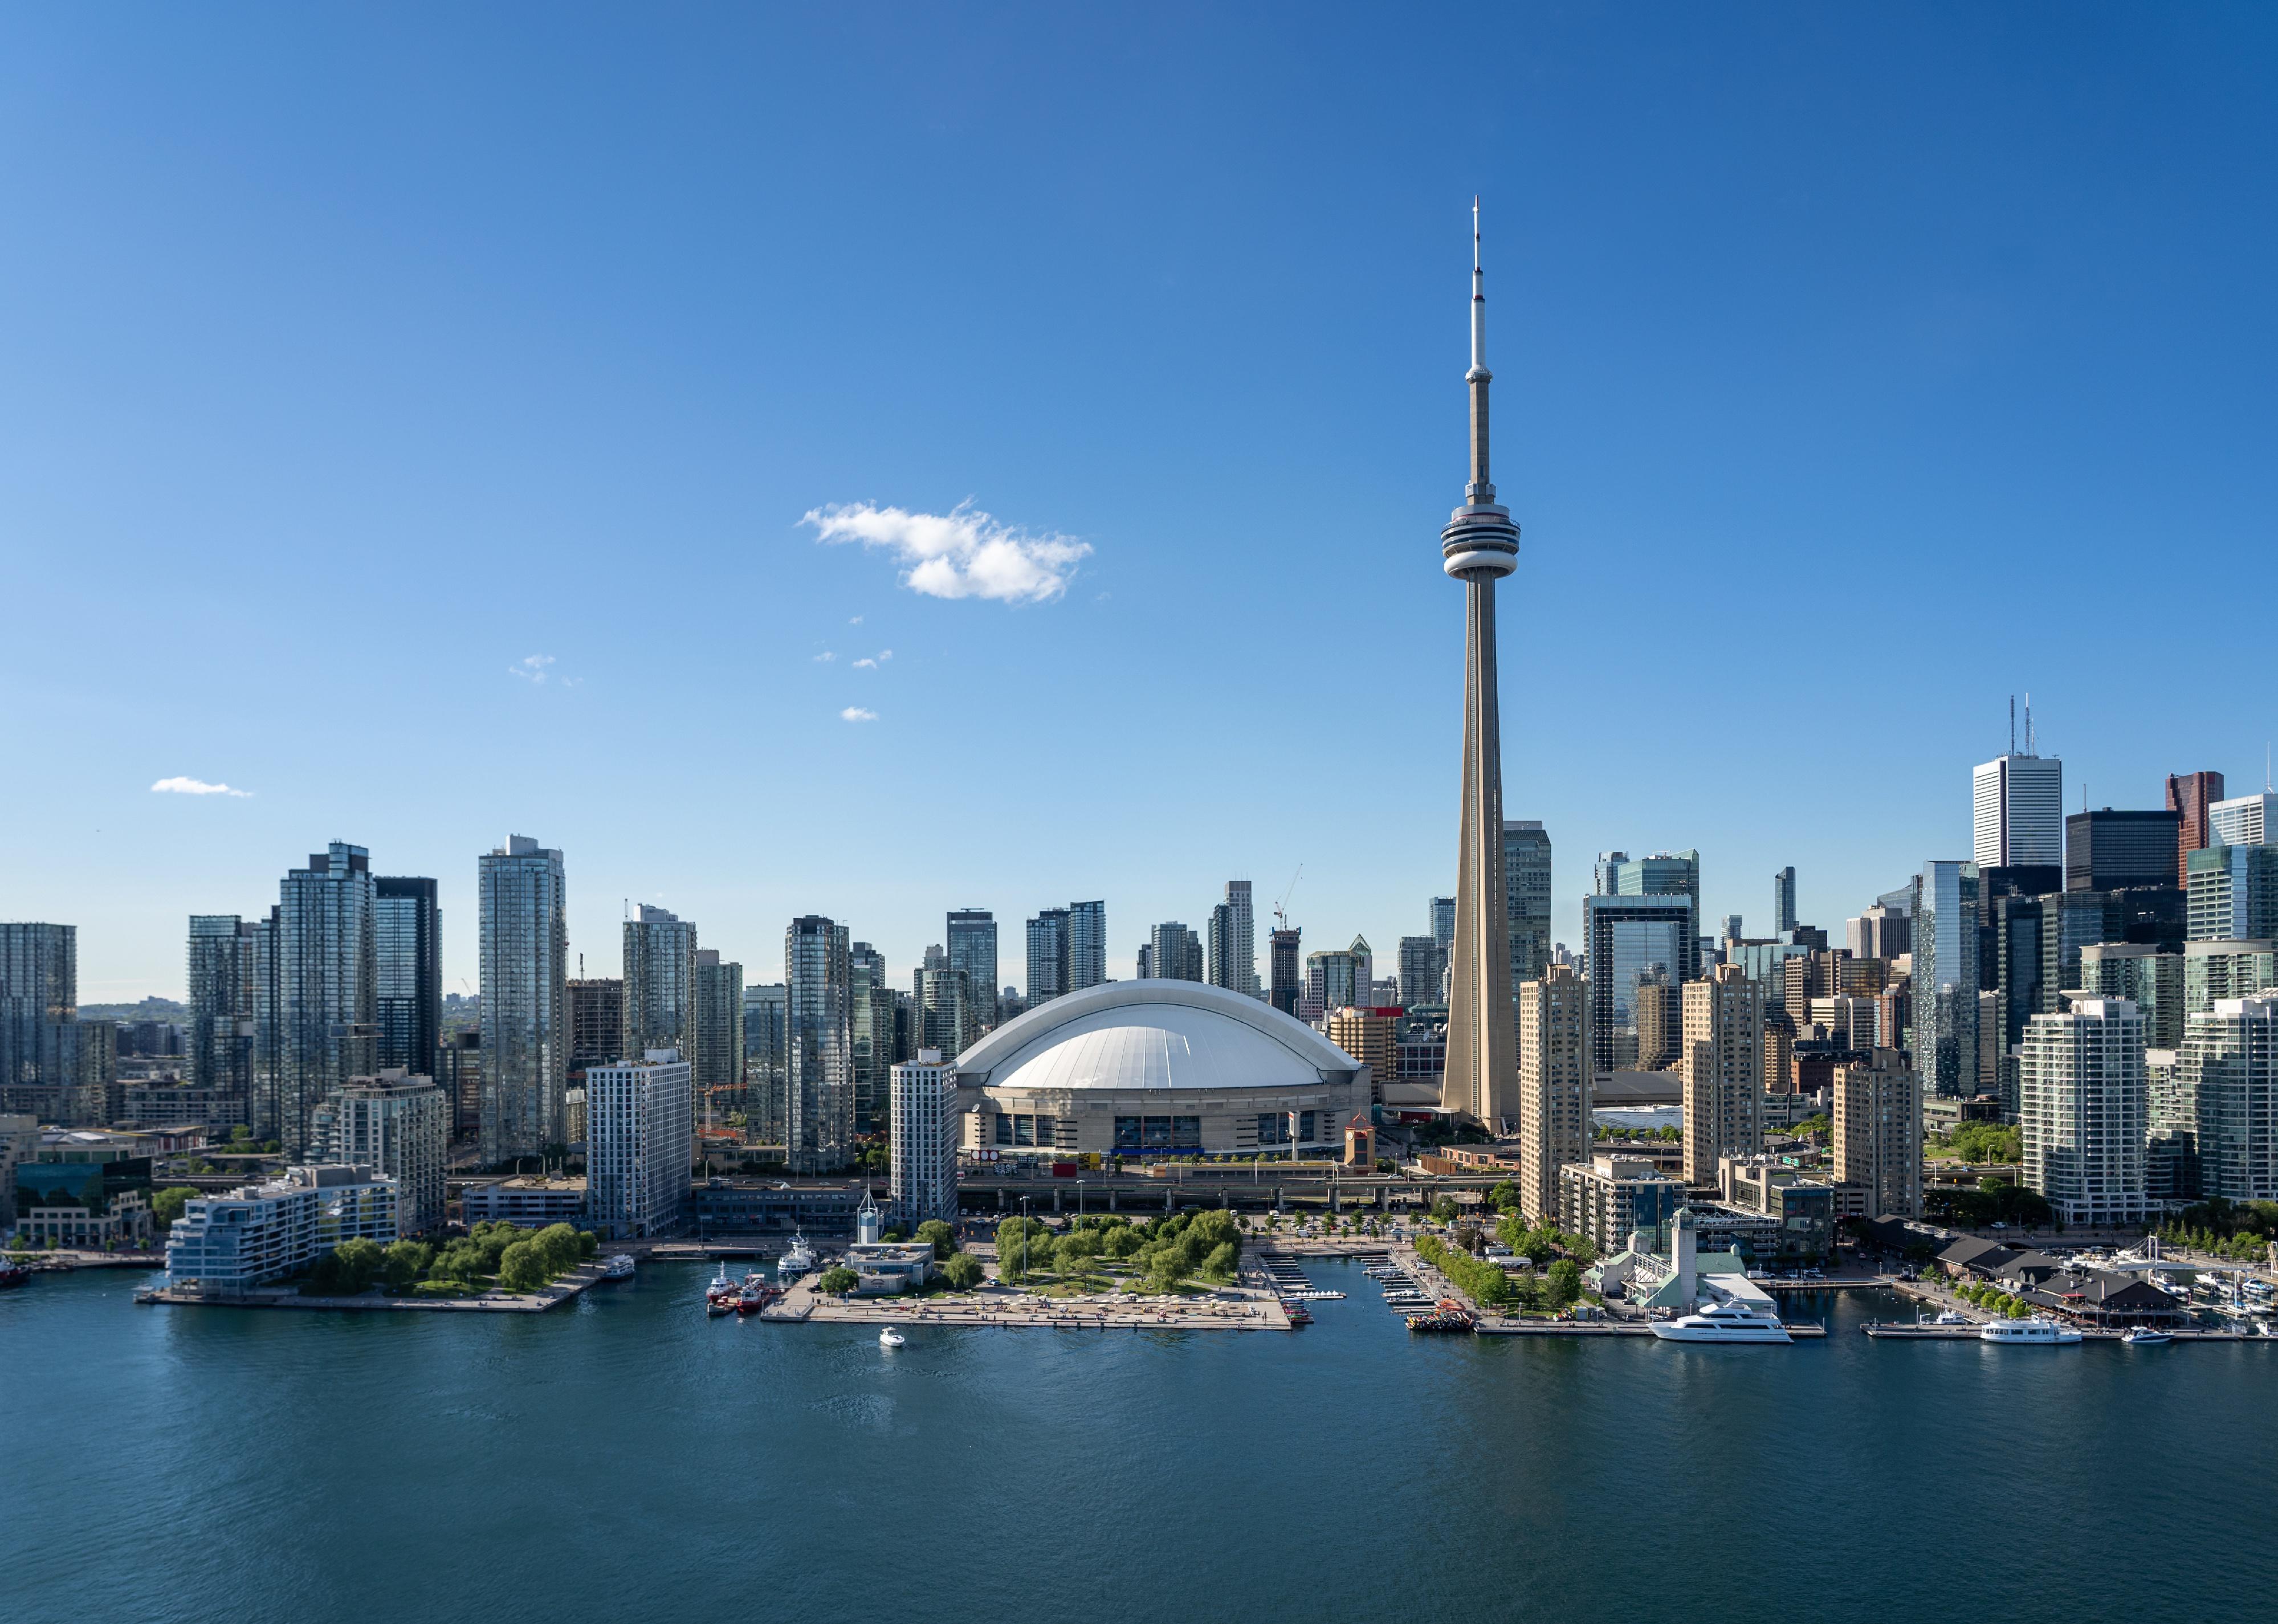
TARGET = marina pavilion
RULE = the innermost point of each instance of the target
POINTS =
(1158, 1068)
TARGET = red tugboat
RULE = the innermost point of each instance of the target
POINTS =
(13, 1274)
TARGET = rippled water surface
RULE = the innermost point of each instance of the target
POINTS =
(630, 1458)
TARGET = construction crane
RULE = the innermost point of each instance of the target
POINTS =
(1281, 914)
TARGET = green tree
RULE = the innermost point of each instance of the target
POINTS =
(588, 1244)
(1222, 1262)
(837, 1281)
(1562, 1288)
(963, 1270)
(1443, 1208)
(404, 1262)
(166, 1205)
(940, 1236)
(1504, 1197)
(358, 1264)
(557, 1249)
(522, 1267)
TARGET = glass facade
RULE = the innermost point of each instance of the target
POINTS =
(525, 1003)
(973, 950)
(1087, 949)
(659, 974)
(717, 1067)
(219, 1047)
(39, 1010)
(2233, 893)
(2104, 851)
(1632, 941)
(1945, 977)
(327, 984)
(407, 931)
(818, 971)
(1048, 956)
(1526, 898)
(767, 1059)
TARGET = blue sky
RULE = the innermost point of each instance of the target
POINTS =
(1856, 368)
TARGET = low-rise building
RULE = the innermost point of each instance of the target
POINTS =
(1801, 1210)
(760, 1206)
(524, 1202)
(1609, 1197)
(886, 1268)
(172, 1103)
(85, 1197)
(224, 1245)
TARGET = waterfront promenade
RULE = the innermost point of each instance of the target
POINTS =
(567, 1289)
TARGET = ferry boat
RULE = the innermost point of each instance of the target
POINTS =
(797, 1260)
(1951, 1317)
(2039, 1331)
(722, 1289)
(14, 1274)
(1723, 1322)
(888, 1336)
(618, 1267)
(2143, 1336)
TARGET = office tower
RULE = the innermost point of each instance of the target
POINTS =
(597, 1021)
(408, 936)
(2214, 971)
(1443, 931)
(2085, 1113)
(1048, 956)
(1526, 897)
(328, 977)
(525, 1002)
(2147, 978)
(2017, 808)
(1288, 989)
(1783, 900)
(924, 1140)
(2225, 1080)
(459, 1074)
(1779, 1050)
(1371, 1036)
(972, 941)
(2171, 1170)
(1723, 1071)
(1880, 931)
(1631, 941)
(2188, 797)
(659, 970)
(872, 1004)
(942, 1004)
(2013, 965)
(1554, 1086)
(717, 1068)
(220, 1040)
(1479, 547)
(1337, 978)
(398, 1124)
(1878, 1131)
(1419, 971)
(818, 972)
(639, 1134)
(1175, 954)
(2243, 821)
(1663, 874)
(1233, 944)
(1087, 945)
(1944, 980)
(2233, 893)
(2106, 850)
(767, 1059)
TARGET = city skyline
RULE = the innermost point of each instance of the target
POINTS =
(1881, 362)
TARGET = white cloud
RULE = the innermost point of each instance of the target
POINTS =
(194, 785)
(963, 553)
(855, 712)
(532, 668)
(857, 621)
(871, 663)
(824, 658)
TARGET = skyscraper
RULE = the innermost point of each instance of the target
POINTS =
(2085, 1114)
(39, 1016)
(767, 1058)
(659, 969)
(1174, 953)
(1631, 941)
(1087, 945)
(2017, 808)
(1723, 1071)
(818, 972)
(408, 929)
(2108, 850)
(717, 1070)
(637, 1145)
(870, 1018)
(1946, 974)
(1878, 1132)
(328, 977)
(973, 949)
(220, 1039)
(1526, 902)
(2188, 797)
(2226, 1079)
(1419, 971)
(525, 1003)
(1234, 941)
(2243, 821)
(1783, 900)
(398, 1124)
(1554, 1086)
(923, 1144)
(2234, 893)
(1047, 956)
(941, 1002)
(1479, 547)
(597, 1022)
(1287, 991)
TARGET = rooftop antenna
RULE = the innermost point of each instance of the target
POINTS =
(2029, 724)
(2012, 724)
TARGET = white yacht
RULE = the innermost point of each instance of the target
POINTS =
(889, 1337)
(2039, 1330)
(797, 1260)
(2143, 1336)
(1723, 1322)
(619, 1267)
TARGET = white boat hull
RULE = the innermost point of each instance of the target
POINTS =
(1721, 1333)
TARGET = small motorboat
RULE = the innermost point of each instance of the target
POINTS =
(718, 1307)
(2143, 1336)
(888, 1336)
(750, 1301)
(13, 1274)
(722, 1289)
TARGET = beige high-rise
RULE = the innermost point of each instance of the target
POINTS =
(1554, 1086)
(1723, 1071)
(1878, 1133)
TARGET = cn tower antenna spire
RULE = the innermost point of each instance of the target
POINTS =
(1479, 301)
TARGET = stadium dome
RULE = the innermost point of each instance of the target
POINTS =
(1156, 1068)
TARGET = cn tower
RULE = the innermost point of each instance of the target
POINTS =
(1479, 547)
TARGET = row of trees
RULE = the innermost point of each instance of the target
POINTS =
(519, 1260)
(2238, 1229)
(1485, 1284)
(1983, 1142)
(1995, 1201)
(1992, 1299)
(1165, 1254)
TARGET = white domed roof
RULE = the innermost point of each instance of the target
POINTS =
(1154, 1034)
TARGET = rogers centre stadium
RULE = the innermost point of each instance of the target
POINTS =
(1158, 1068)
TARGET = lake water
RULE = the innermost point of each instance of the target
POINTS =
(630, 1458)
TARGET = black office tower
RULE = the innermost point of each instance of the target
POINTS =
(409, 929)
(2107, 850)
